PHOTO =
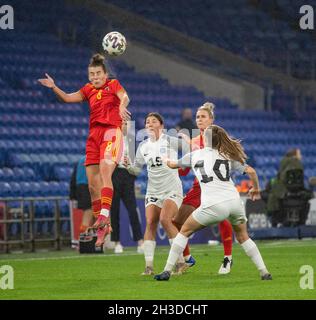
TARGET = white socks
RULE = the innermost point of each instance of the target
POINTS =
(181, 258)
(149, 251)
(177, 247)
(105, 212)
(253, 252)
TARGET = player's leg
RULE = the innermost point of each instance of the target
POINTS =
(191, 201)
(84, 203)
(182, 215)
(184, 212)
(152, 219)
(168, 211)
(95, 185)
(226, 232)
(110, 150)
(87, 220)
(190, 226)
(239, 223)
(251, 250)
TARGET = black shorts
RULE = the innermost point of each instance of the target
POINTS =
(83, 197)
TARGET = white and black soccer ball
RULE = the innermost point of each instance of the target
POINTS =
(114, 43)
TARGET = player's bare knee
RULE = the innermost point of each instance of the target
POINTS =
(242, 236)
(151, 223)
(165, 221)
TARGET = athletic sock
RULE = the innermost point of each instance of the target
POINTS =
(253, 252)
(226, 231)
(186, 251)
(178, 245)
(149, 251)
(106, 201)
(96, 207)
(181, 258)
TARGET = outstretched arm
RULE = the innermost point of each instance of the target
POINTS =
(65, 97)
(172, 164)
(254, 192)
(184, 162)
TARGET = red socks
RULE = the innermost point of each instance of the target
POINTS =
(96, 207)
(106, 198)
(226, 231)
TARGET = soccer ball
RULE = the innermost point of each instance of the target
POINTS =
(114, 43)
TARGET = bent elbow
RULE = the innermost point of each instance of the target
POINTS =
(251, 170)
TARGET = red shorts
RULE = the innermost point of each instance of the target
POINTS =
(193, 197)
(104, 142)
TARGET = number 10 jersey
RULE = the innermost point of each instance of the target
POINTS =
(213, 172)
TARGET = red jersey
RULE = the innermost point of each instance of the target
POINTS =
(104, 103)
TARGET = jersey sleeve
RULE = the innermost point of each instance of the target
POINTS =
(116, 86)
(237, 166)
(84, 91)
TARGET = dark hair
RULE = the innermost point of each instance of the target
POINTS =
(226, 145)
(98, 60)
(156, 115)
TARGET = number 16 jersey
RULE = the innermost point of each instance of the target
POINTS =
(213, 172)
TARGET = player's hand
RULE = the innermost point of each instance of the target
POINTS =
(184, 137)
(125, 114)
(126, 161)
(254, 194)
(47, 82)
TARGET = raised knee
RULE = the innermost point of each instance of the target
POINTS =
(165, 221)
(241, 238)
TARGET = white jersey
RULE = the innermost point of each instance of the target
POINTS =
(161, 179)
(213, 172)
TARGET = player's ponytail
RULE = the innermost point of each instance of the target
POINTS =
(209, 108)
(217, 138)
(98, 60)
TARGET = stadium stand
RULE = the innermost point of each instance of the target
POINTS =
(261, 31)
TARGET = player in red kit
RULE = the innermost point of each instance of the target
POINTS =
(192, 200)
(108, 103)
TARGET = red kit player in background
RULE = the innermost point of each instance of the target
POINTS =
(204, 118)
(108, 103)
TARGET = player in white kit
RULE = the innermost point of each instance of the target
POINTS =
(164, 189)
(220, 199)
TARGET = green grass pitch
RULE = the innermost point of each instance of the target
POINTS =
(68, 275)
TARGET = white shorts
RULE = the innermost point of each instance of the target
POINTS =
(158, 200)
(232, 210)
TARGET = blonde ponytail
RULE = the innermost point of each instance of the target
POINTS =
(209, 108)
